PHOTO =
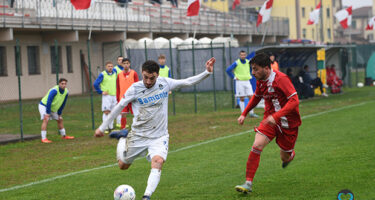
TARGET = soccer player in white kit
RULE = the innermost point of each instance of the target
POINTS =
(149, 132)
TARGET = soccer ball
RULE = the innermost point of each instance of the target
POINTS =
(124, 192)
(360, 84)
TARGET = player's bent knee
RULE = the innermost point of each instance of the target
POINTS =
(106, 112)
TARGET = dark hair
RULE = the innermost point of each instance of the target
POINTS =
(261, 59)
(62, 79)
(305, 67)
(150, 66)
(242, 51)
(126, 59)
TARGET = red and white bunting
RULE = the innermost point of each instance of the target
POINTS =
(193, 7)
(265, 12)
(82, 4)
(314, 15)
(344, 16)
(371, 23)
(235, 4)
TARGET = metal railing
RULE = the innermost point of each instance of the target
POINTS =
(109, 16)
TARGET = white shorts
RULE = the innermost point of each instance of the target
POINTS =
(138, 146)
(43, 111)
(243, 88)
(108, 102)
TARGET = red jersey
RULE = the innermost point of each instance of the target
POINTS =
(280, 98)
(124, 81)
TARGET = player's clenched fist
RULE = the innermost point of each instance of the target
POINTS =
(241, 119)
(98, 133)
(210, 64)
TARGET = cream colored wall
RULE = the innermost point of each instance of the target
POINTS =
(307, 5)
(217, 5)
(36, 86)
(328, 22)
(310, 5)
(287, 8)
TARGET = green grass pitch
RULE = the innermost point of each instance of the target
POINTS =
(208, 153)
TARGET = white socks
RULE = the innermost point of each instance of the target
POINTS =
(44, 135)
(121, 147)
(153, 181)
(62, 132)
(118, 119)
(242, 106)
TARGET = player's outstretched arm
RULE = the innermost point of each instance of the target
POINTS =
(194, 79)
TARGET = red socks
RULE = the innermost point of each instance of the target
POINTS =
(123, 122)
(252, 163)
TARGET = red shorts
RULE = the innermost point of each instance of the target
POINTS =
(128, 109)
(285, 137)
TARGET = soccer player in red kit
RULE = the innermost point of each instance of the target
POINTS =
(281, 116)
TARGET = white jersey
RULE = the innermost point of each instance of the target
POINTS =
(150, 105)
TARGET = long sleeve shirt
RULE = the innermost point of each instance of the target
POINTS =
(280, 98)
(150, 105)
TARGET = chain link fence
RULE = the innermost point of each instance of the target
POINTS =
(19, 101)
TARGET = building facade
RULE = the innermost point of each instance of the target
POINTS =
(298, 12)
(219, 5)
(37, 25)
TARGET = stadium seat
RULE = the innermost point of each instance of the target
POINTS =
(137, 11)
(138, 3)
